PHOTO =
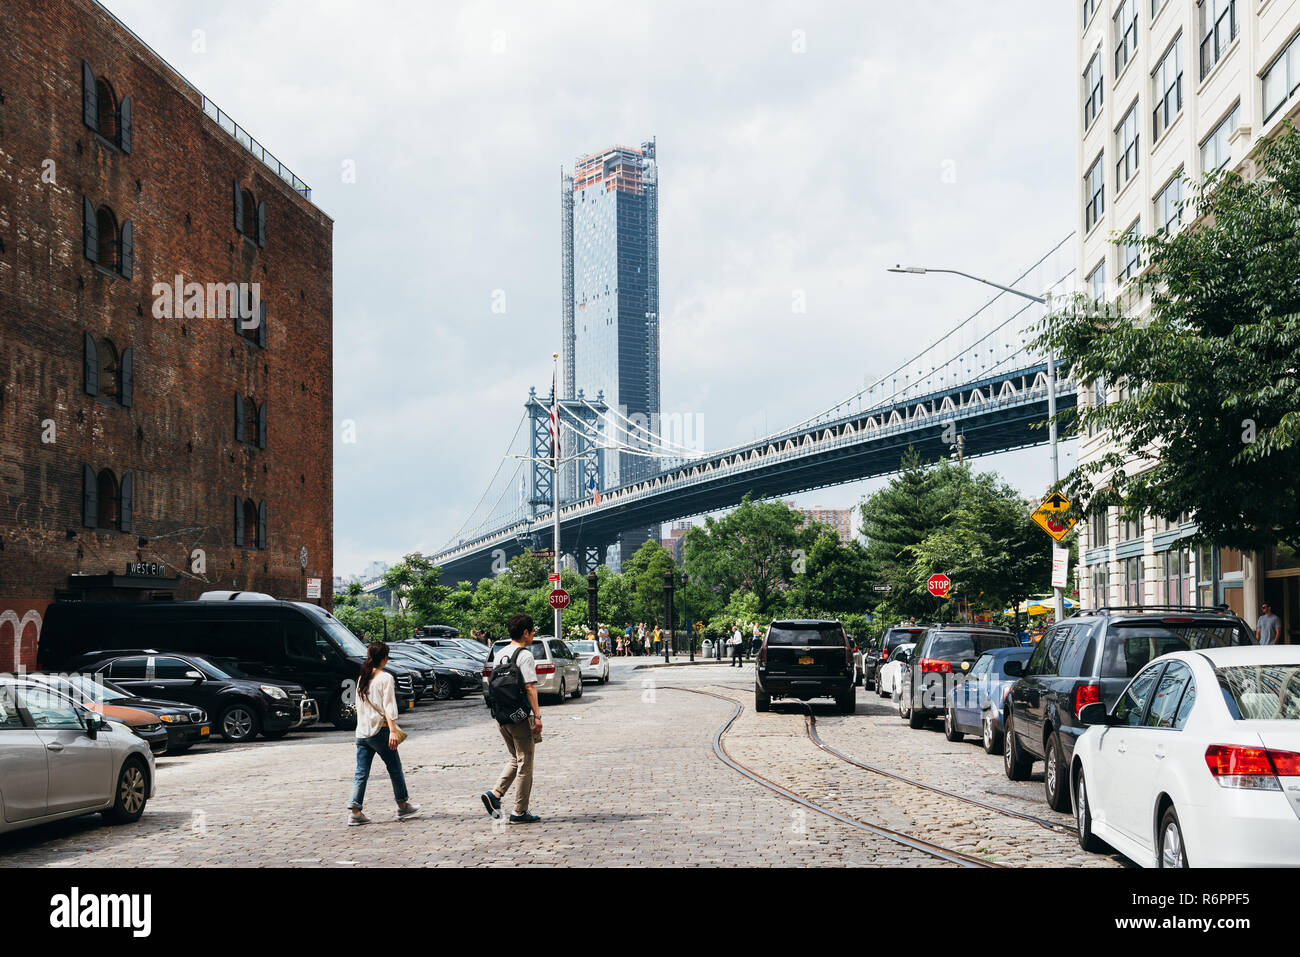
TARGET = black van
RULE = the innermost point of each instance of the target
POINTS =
(289, 641)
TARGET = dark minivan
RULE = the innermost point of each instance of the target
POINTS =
(283, 641)
(1091, 657)
(805, 659)
(946, 653)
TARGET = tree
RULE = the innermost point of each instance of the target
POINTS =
(416, 583)
(645, 571)
(836, 579)
(1207, 421)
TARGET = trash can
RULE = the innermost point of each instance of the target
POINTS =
(707, 648)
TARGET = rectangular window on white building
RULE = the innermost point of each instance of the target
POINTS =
(1089, 8)
(1094, 198)
(1097, 282)
(1168, 89)
(1130, 251)
(1126, 145)
(1216, 150)
(1169, 205)
(1093, 95)
(1126, 34)
(1282, 78)
(1218, 29)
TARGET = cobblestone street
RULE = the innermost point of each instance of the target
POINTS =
(626, 775)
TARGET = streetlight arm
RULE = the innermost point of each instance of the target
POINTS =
(956, 272)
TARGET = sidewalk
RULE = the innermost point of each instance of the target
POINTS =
(677, 662)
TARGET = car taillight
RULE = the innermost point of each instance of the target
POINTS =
(546, 669)
(1252, 769)
(936, 665)
(762, 654)
(596, 660)
(884, 654)
(487, 671)
(1085, 694)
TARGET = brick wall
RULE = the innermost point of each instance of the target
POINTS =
(177, 439)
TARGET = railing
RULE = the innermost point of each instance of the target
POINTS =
(243, 138)
(1218, 38)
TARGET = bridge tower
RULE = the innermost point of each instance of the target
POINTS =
(579, 479)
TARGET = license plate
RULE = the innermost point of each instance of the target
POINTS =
(411, 703)
(806, 660)
(204, 731)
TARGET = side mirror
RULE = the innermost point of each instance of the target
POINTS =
(1094, 713)
(196, 675)
(1014, 669)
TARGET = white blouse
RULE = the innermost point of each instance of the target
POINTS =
(380, 692)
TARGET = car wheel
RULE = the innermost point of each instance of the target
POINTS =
(1058, 796)
(1172, 852)
(915, 719)
(991, 735)
(1083, 817)
(1014, 762)
(847, 703)
(762, 700)
(238, 722)
(577, 692)
(564, 691)
(132, 793)
(950, 726)
(341, 715)
(880, 687)
(902, 708)
(441, 689)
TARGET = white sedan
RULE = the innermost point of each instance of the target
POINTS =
(595, 665)
(887, 675)
(1198, 762)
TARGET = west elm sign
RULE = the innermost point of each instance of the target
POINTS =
(153, 569)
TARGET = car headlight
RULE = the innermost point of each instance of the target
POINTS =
(463, 674)
(271, 691)
(147, 728)
(174, 718)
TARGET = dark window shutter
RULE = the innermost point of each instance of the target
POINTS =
(261, 426)
(126, 377)
(261, 224)
(126, 251)
(261, 324)
(239, 208)
(261, 524)
(239, 521)
(89, 497)
(89, 99)
(126, 503)
(89, 230)
(124, 125)
(90, 366)
(239, 417)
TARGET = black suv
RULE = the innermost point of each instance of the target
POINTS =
(945, 653)
(805, 659)
(878, 652)
(1091, 657)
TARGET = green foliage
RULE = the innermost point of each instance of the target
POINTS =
(1211, 376)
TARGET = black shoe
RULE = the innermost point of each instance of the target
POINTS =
(524, 818)
(492, 803)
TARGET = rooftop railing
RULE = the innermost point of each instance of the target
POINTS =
(244, 139)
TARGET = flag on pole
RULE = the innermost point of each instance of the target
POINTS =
(595, 492)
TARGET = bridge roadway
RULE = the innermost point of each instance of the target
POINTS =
(996, 414)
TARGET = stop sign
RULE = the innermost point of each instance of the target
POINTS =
(939, 585)
(558, 599)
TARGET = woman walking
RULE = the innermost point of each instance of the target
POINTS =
(377, 733)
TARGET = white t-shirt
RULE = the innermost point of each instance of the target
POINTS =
(370, 719)
(526, 662)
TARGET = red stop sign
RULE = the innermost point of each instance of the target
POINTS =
(558, 599)
(939, 585)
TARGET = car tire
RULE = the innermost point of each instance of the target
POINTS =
(847, 703)
(991, 736)
(131, 793)
(762, 700)
(880, 688)
(1058, 797)
(1014, 762)
(950, 726)
(902, 708)
(564, 692)
(341, 716)
(1171, 851)
(239, 722)
(1083, 817)
(442, 690)
(915, 719)
(577, 692)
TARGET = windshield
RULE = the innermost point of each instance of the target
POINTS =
(96, 690)
(1131, 647)
(586, 647)
(958, 646)
(348, 643)
(1261, 692)
(811, 635)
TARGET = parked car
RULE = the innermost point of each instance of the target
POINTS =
(805, 659)
(977, 703)
(437, 631)
(558, 673)
(465, 647)
(593, 662)
(888, 673)
(276, 641)
(169, 726)
(877, 655)
(1091, 658)
(243, 708)
(60, 760)
(1197, 763)
(455, 675)
(944, 655)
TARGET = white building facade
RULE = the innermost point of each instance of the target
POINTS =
(1167, 89)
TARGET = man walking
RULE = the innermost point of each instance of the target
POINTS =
(1269, 627)
(737, 646)
(519, 719)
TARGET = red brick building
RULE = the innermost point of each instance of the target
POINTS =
(150, 448)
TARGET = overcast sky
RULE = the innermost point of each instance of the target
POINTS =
(802, 148)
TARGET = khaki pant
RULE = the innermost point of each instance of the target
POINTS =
(519, 740)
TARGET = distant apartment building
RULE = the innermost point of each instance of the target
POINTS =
(1168, 89)
(676, 540)
(840, 519)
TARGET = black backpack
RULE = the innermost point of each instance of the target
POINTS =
(507, 694)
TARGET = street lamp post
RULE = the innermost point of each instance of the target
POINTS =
(1058, 594)
(670, 613)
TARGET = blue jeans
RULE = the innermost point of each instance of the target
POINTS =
(367, 748)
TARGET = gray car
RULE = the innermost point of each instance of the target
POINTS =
(559, 674)
(60, 760)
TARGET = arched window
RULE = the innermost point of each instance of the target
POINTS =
(106, 229)
(250, 210)
(108, 369)
(106, 108)
(106, 496)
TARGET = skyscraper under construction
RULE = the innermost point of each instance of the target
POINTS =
(610, 294)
